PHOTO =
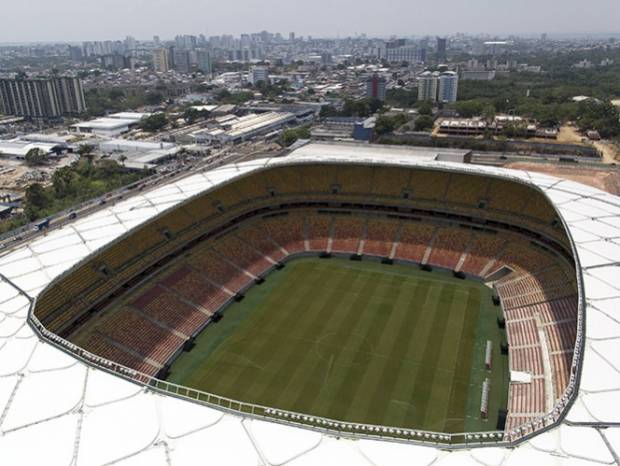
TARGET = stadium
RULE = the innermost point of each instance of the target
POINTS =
(344, 304)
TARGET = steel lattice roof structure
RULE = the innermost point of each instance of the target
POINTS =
(56, 409)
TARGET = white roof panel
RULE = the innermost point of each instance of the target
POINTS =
(41, 381)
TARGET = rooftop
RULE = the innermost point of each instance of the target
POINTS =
(76, 413)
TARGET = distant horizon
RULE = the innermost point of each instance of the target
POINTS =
(60, 21)
(530, 35)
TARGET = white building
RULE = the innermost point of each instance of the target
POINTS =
(111, 126)
(448, 87)
(427, 86)
(108, 127)
(438, 87)
(259, 74)
(478, 75)
(18, 149)
(234, 130)
(161, 61)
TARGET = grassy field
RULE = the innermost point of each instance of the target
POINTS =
(357, 341)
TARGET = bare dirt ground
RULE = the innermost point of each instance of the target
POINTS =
(602, 179)
(611, 152)
(569, 135)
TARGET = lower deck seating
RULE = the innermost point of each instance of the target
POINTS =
(102, 348)
(196, 288)
(172, 310)
(259, 240)
(538, 327)
(414, 240)
(141, 337)
(347, 233)
(448, 247)
(318, 232)
(242, 255)
(217, 269)
(484, 250)
(380, 237)
(287, 231)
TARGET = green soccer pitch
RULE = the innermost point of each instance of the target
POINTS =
(357, 342)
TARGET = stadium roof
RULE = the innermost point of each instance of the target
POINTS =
(55, 409)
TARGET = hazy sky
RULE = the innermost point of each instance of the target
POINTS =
(77, 20)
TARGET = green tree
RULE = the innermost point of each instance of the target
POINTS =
(62, 180)
(37, 199)
(401, 98)
(469, 108)
(488, 113)
(154, 122)
(116, 94)
(35, 156)
(425, 108)
(424, 123)
(387, 124)
(384, 125)
(290, 136)
(374, 105)
(360, 108)
(154, 98)
(600, 116)
(86, 153)
(328, 111)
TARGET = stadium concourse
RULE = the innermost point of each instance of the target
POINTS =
(58, 405)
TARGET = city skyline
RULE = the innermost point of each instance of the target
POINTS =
(73, 21)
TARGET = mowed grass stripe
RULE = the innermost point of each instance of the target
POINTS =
(461, 380)
(300, 342)
(364, 338)
(310, 348)
(397, 334)
(187, 366)
(400, 407)
(355, 341)
(445, 370)
(312, 358)
(247, 352)
(262, 343)
(391, 392)
(421, 376)
(323, 370)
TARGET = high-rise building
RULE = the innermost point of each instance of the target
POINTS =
(442, 48)
(161, 63)
(326, 58)
(186, 42)
(400, 51)
(448, 86)
(130, 43)
(181, 60)
(156, 40)
(375, 88)
(75, 53)
(291, 36)
(427, 86)
(260, 74)
(114, 60)
(42, 98)
(203, 61)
